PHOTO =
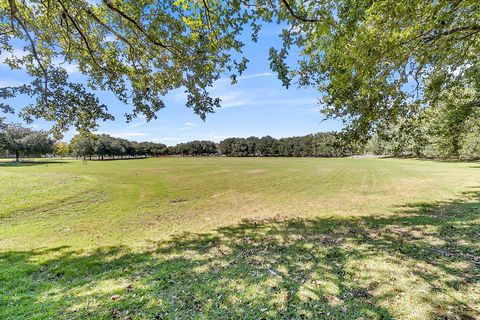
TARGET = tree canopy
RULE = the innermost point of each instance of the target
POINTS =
(24, 141)
(372, 61)
(380, 61)
(139, 50)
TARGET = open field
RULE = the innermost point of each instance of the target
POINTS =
(251, 238)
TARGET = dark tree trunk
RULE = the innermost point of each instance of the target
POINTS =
(17, 157)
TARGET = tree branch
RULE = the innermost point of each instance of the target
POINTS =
(431, 38)
(295, 15)
(82, 35)
(138, 26)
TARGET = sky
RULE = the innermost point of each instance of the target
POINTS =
(257, 105)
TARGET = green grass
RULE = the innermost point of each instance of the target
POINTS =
(251, 238)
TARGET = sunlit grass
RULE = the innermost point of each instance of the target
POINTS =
(240, 238)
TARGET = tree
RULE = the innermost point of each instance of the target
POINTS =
(323, 144)
(19, 140)
(377, 61)
(61, 149)
(103, 145)
(37, 143)
(83, 145)
(137, 50)
(12, 139)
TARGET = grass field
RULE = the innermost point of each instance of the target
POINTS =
(250, 238)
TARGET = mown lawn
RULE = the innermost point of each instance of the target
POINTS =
(250, 238)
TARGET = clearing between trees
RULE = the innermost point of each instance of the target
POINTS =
(256, 238)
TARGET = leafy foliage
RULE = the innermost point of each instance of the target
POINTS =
(373, 61)
(107, 146)
(324, 144)
(451, 130)
(23, 141)
(61, 149)
(378, 61)
(138, 50)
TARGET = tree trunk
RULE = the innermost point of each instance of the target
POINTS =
(17, 157)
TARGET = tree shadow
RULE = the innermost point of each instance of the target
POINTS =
(119, 159)
(14, 164)
(422, 262)
(430, 159)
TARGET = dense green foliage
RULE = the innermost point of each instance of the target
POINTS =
(20, 141)
(324, 144)
(452, 130)
(107, 146)
(373, 61)
(195, 148)
(378, 61)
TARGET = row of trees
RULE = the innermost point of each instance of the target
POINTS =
(447, 132)
(324, 144)
(314, 145)
(21, 141)
(107, 146)
(195, 148)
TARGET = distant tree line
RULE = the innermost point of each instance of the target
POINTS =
(324, 144)
(314, 145)
(19, 141)
(451, 132)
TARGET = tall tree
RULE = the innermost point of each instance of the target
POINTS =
(83, 145)
(19, 140)
(61, 149)
(377, 61)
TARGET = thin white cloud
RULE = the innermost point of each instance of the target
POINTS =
(216, 137)
(256, 75)
(169, 139)
(238, 95)
(187, 126)
(136, 124)
(130, 134)
(71, 68)
(239, 98)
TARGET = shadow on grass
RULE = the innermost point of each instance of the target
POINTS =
(433, 159)
(421, 263)
(4, 164)
(118, 159)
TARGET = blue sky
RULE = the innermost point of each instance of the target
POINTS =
(257, 105)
